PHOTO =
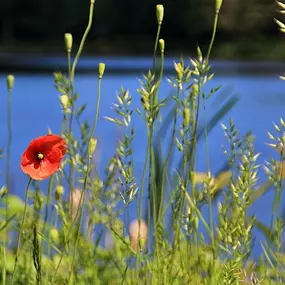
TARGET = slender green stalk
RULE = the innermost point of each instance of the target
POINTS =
(69, 64)
(210, 210)
(9, 143)
(90, 21)
(213, 35)
(155, 47)
(192, 159)
(45, 220)
(48, 201)
(21, 230)
(82, 198)
(169, 151)
(141, 204)
(72, 72)
(149, 146)
(37, 251)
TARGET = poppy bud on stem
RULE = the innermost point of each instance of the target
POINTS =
(159, 13)
(161, 45)
(10, 82)
(68, 42)
(101, 69)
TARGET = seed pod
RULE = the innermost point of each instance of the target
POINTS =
(10, 82)
(68, 41)
(161, 45)
(159, 13)
(101, 69)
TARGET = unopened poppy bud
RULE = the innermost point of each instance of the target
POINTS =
(68, 41)
(218, 5)
(186, 117)
(10, 82)
(59, 190)
(64, 100)
(161, 45)
(54, 235)
(159, 13)
(101, 69)
(92, 147)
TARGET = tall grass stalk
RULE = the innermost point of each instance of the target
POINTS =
(83, 195)
(10, 83)
(21, 230)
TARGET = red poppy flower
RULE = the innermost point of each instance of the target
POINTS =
(43, 156)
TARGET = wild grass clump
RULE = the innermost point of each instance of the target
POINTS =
(77, 231)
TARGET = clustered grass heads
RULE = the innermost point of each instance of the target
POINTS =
(190, 83)
(149, 98)
(151, 107)
(275, 172)
(235, 224)
(125, 151)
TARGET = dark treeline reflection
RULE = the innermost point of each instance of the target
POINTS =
(130, 25)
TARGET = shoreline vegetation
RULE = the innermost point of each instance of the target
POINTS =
(261, 49)
(48, 63)
(188, 227)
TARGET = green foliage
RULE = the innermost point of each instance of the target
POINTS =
(78, 235)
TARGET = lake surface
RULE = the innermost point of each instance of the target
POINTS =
(35, 108)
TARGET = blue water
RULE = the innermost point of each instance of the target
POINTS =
(35, 108)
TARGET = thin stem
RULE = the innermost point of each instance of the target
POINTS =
(69, 64)
(170, 150)
(9, 143)
(211, 220)
(82, 198)
(91, 11)
(72, 72)
(21, 229)
(155, 47)
(48, 201)
(213, 35)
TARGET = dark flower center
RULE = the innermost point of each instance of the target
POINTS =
(40, 156)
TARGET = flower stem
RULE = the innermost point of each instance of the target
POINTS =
(9, 143)
(21, 229)
(213, 35)
(155, 47)
(91, 11)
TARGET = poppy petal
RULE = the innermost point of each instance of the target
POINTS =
(53, 149)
